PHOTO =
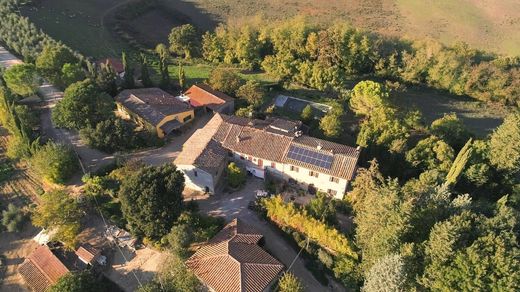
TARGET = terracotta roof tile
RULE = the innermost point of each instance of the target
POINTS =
(87, 253)
(232, 261)
(151, 104)
(204, 95)
(42, 263)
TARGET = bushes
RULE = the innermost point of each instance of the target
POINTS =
(22, 79)
(110, 135)
(54, 162)
(286, 214)
(13, 218)
(236, 175)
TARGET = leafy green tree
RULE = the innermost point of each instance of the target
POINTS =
(184, 40)
(71, 73)
(145, 72)
(212, 47)
(51, 60)
(54, 162)
(60, 212)
(253, 92)
(225, 80)
(128, 80)
(289, 283)
(151, 200)
(12, 218)
(505, 144)
(179, 239)
(459, 163)
(307, 114)
(236, 175)
(450, 129)
(22, 79)
(82, 105)
(431, 153)
(182, 77)
(331, 124)
(83, 281)
(110, 135)
(387, 274)
(472, 252)
(368, 96)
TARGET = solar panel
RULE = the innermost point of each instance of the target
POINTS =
(310, 157)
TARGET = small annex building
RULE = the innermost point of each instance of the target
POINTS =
(275, 146)
(233, 261)
(202, 96)
(115, 64)
(42, 269)
(154, 109)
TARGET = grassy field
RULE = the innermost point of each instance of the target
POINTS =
(486, 24)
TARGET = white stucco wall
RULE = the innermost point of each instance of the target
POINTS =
(322, 183)
(198, 182)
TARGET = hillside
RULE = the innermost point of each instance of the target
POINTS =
(485, 24)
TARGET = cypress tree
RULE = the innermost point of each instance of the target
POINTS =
(459, 163)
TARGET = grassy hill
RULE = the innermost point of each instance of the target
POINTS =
(486, 24)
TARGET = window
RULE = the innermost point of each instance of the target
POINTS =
(334, 179)
(187, 118)
(294, 168)
(332, 192)
(273, 165)
(195, 173)
(312, 173)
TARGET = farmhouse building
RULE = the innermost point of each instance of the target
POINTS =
(42, 269)
(203, 97)
(274, 146)
(232, 261)
(154, 109)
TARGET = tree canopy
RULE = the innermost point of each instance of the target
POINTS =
(54, 162)
(151, 200)
(22, 79)
(83, 105)
(184, 40)
(60, 212)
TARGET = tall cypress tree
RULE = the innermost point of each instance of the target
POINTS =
(145, 73)
(128, 81)
(182, 76)
(459, 163)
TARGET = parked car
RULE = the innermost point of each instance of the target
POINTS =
(261, 194)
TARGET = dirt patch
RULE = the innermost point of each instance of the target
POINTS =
(16, 247)
(154, 26)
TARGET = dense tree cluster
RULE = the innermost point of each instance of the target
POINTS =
(151, 200)
(60, 212)
(325, 58)
(54, 162)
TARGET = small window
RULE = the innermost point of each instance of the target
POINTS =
(195, 173)
(334, 179)
(312, 173)
(273, 165)
(332, 192)
(294, 168)
(187, 118)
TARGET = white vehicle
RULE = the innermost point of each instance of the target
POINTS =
(261, 194)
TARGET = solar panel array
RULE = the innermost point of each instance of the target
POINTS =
(311, 157)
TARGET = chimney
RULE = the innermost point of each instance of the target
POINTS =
(358, 148)
(238, 139)
(319, 147)
(298, 134)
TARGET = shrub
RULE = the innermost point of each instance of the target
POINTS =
(54, 162)
(110, 135)
(12, 218)
(22, 79)
(286, 214)
(236, 175)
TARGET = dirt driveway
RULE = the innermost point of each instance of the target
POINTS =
(235, 205)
